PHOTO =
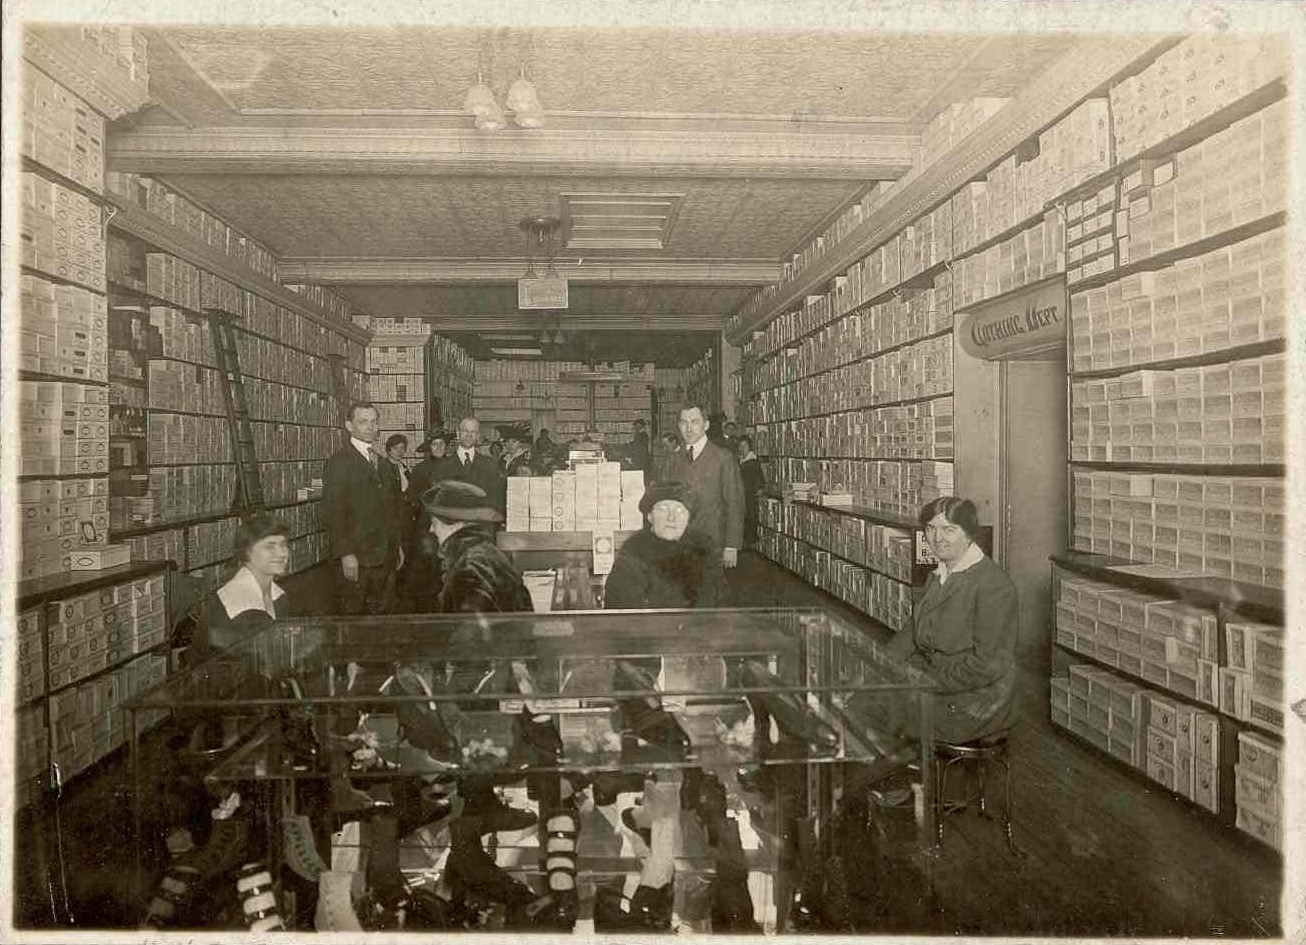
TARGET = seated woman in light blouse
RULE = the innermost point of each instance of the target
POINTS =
(252, 599)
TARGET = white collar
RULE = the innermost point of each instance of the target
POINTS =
(696, 448)
(468, 453)
(749, 455)
(364, 448)
(969, 558)
(242, 593)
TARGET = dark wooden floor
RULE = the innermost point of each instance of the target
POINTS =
(1110, 854)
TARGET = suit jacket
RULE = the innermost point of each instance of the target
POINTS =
(362, 509)
(715, 480)
(483, 472)
(964, 637)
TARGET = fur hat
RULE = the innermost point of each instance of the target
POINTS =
(675, 489)
(456, 501)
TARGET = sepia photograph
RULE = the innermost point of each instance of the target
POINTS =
(646, 468)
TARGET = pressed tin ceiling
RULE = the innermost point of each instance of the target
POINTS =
(628, 71)
(475, 217)
(349, 147)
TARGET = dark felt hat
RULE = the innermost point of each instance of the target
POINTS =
(456, 501)
(668, 489)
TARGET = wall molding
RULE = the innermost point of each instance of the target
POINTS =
(328, 148)
(375, 271)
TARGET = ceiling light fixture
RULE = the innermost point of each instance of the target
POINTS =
(480, 104)
(516, 351)
(523, 101)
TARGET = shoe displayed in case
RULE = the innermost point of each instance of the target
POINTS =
(191, 871)
(649, 910)
(789, 710)
(301, 850)
(421, 722)
(335, 903)
(558, 908)
(258, 899)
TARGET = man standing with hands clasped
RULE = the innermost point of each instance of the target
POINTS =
(713, 476)
(362, 509)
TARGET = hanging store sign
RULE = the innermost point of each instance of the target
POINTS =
(1017, 325)
(542, 292)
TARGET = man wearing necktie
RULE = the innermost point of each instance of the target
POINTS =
(713, 476)
(362, 511)
(467, 464)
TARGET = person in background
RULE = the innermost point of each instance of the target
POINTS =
(638, 454)
(495, 451)
(667, 564)
(665, 449)
(965, 628)
(713, 475)
(252, 599)
(362, 512)
(516, 458)
(467, 464)
(423, 569)
(731, 439)
(750, 470)
(396, 448)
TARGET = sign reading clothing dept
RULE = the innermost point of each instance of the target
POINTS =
(1018, 324)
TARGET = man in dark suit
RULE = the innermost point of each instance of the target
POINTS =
(468, 464)
(362, 510)
(713, 476)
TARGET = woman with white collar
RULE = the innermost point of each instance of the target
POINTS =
(965, 630)
(252, 599)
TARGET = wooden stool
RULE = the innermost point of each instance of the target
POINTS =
(982, 751)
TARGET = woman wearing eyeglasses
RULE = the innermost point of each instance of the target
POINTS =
(668, 564)
(965, 628)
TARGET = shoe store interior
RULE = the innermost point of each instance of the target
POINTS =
(886, 536)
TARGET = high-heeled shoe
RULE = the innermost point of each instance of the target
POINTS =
(298, 737)
(645, 718)
(421, 722)
(649, 910)
(258, 899)
(606, 785)
(487, 811)
(473, 876)
(188, 872)
(788, 709)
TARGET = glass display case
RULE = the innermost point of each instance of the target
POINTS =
(589, 770)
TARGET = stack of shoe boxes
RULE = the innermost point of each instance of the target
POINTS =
(1250, 685)
(61, 233)
(1233, 177)
(64, 332)
(1032, 254)
(1189, 82)
(1191, 415)
(62, 132)
(1191, 522)
(1259, 791)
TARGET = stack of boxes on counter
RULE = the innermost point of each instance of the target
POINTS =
(1258, 788)
(1189, 82)
(1226, 526)
(1231, 296)
(1235, 177)
(590, 497)
(112, 628)
(61, 233)
(1175, 744)
(396, 384)
(1232, 413)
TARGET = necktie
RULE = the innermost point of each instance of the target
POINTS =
(467, 460)
(371, 458)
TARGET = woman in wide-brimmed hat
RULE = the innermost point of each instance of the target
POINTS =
(477, 576)
(667, 564)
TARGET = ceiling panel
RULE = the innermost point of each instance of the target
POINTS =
(629, 71)
(477, 217)
(663, 348)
